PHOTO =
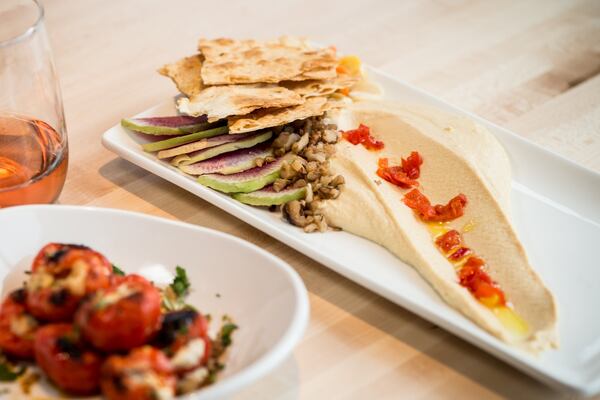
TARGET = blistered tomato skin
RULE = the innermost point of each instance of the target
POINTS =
(178, 329)
(122, 317)
(61, 355)
(62, 274)
(144, 374)
(14, 317)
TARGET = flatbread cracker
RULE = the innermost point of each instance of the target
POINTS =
(219, 102)
(229, 61)
(269, 117)
(185, 73)
(312, 88)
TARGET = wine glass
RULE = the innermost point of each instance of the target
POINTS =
(33, 139)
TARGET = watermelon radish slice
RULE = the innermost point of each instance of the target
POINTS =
(199, 145)
(269, 197)
(230, 163)
(242, 141)
(176, 125)
(246, 181)
(179, 140)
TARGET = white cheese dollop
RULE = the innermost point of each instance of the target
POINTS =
(189, 355)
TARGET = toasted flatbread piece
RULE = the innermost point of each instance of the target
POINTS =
(268, 117)
(185, 73)
(219, 102)
(312, 88)
(229, 61)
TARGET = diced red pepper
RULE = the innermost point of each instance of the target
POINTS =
(480, 284)
(438, 213)
(412, 165)
(394, 174)
(459, 254)
(449, 241)
(362, 135)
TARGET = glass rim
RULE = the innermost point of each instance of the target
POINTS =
(30, 30)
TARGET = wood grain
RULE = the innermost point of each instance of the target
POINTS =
(531, 66)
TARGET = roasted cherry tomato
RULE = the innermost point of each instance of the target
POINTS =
(124, 316)
(144, 374)
(17, 327)
(62, 356)
(62, 274)
(183, 336)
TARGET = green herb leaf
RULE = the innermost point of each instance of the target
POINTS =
(225, 334)
(117, 270)
(173, 296)
(9, 373)
(181, 283)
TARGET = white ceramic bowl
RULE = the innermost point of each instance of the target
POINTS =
(263, 294)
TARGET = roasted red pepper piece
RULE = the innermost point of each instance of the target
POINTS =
(412, 165)
(449, 241)
(480, 284)
(394, 174)
(362, 135)
(438, 213)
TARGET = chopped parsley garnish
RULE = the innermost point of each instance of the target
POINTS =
(174, 295)
(181, 283)
(117, 270)
(9, 372)
(225, 334)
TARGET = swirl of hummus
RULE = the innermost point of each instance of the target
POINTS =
(459, 157)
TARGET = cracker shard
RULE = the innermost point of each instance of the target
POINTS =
(229, 61)
(269, 117)
(219, 102)
(185, 73)
(316, 87)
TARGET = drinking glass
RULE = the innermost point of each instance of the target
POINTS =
(33, 139)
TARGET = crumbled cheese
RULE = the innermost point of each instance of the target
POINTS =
(150, 379)
(23, 325)
(39, 280)
(189, 355)
(75, 281)
(192, 380)
(121, 292)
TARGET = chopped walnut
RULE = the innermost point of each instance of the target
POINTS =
(309, 193)
(280, 184)
(313, 142)
(338, 180)
(294, 213)
(299, 183)
(300, 144)
(285, 140)
(330, 136)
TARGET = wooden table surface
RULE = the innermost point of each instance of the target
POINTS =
(531, 66)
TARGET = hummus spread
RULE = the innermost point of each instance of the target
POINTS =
(459, 157)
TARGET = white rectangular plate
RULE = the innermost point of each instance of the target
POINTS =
(556, 210)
